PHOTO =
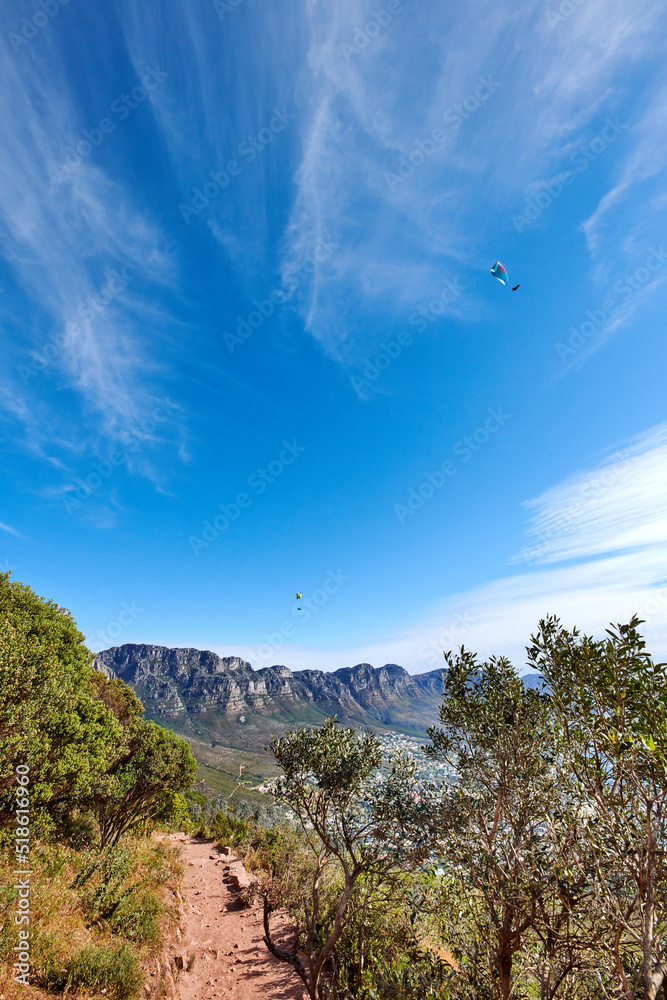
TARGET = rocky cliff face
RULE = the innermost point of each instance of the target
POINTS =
(176, 682)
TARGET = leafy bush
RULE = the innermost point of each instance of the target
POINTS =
(81, 735)
(117, 971)
(137, 917)
(102, 894)
(51, 955)
(227, 829)
(130, 910)
(50, 717)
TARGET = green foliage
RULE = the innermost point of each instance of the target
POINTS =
(492, 828)
(552, 879)
(80, 733)
(610, 701)
(50, 719)
(229, 822)
(416, 974)
(325, 767)
(385, 949)
(81, 898)
(114, 971)
(137, 917)
(112, 900)
(228, 830)
(357, 826)
(135, 789)
(175, 814)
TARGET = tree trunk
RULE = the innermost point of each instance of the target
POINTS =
(284, 955)
(504, 958)
(316, 969)
(505, 975)
(653, 970)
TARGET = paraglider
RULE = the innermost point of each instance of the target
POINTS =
(499, 272)
(298, 597)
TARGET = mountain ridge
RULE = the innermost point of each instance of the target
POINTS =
(223, 702)
(230, 712)
(176, 683)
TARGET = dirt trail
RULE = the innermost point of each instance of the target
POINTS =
(231, 960)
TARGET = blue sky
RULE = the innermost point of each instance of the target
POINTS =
(251, 344)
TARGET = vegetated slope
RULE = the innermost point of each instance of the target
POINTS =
(224, 700)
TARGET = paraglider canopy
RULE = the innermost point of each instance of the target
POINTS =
(499, 272)
(298, 596)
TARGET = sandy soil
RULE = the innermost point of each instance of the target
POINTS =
(231, 960)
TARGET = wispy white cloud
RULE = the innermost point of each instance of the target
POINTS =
(620, 506)
(645, 158)
(67, 237)
(369, 107)
(10, 530)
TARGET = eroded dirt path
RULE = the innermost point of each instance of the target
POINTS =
(231, 960)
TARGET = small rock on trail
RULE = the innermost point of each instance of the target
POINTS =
(224, 937)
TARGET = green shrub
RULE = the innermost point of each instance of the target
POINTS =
(137, 917)
(116, 971)
(51, 955)
(227, 829)
(103, 877)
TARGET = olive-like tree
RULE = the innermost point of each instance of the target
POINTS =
(79, 734)
(358, 825)
(51, 720)
(610, 699)
(138, 788)
(493, 832)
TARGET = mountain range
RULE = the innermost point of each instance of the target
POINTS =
(199, 691)
(230, 712)
(212, 692)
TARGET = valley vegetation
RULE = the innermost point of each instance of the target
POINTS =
(539, 874)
